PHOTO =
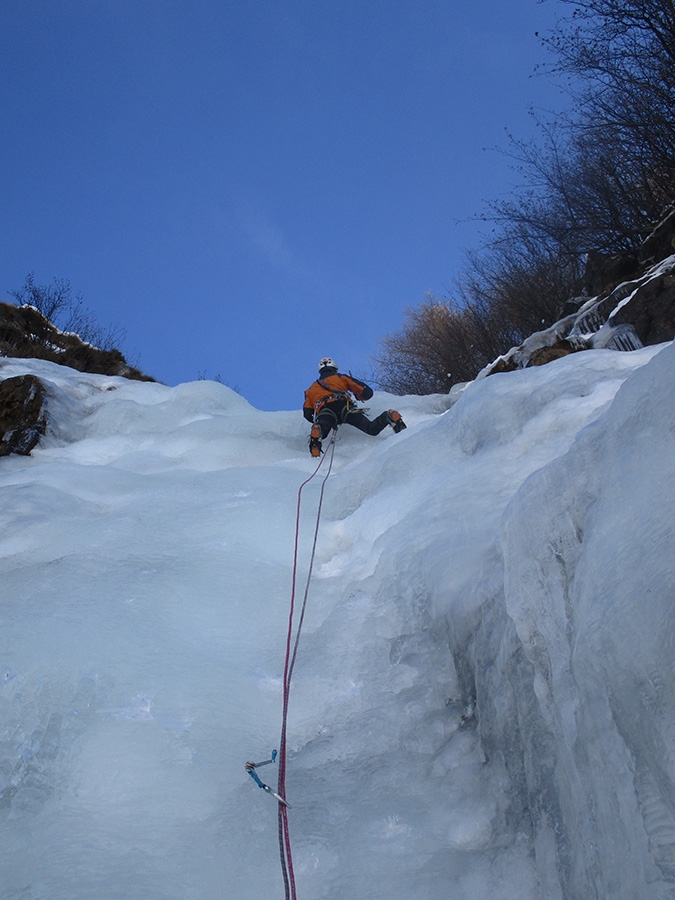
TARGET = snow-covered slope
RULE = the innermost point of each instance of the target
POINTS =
(483, 701)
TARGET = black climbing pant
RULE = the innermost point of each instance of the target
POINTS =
(334, 414)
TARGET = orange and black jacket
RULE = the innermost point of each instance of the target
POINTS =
(333, 389)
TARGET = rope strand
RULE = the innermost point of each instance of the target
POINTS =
(289, 664)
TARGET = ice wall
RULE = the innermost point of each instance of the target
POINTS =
(467, 535)
(482, 702)
(589, 584)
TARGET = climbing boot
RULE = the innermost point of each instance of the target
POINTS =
(395, 420)
(315, 441)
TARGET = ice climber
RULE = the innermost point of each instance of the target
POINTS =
(330, 401)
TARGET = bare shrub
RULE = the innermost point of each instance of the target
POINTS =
(501, 298)
(57, 303)
(438, 346)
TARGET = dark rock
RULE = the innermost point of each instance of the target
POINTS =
(604, 271)
(22, 414)
(661, 242)
(27, 334)
(504, 364)
(650, 310)
(537, 350)
(548, 354)
(636, 313)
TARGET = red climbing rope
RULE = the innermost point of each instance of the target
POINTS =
(291, 652)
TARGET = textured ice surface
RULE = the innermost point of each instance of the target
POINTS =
(482, 705)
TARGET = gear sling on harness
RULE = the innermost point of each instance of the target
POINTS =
(333, 397)
(289, 664)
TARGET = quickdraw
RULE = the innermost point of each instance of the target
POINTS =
(251, 769)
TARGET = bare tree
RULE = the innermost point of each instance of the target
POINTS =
(440, 344)
(51, 300)
(503, 296)
(617, 58)
(597, 181)
(57, 303)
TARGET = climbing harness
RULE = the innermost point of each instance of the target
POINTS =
(321, 407)
(289, 664)
(322, 403)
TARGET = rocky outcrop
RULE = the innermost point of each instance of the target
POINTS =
(632, 314)
(650, 309)
(22, 414)
(26, 333)
(603, 271)
(632, 305)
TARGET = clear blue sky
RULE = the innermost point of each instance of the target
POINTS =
(248, 186)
